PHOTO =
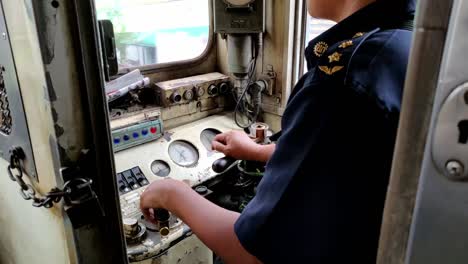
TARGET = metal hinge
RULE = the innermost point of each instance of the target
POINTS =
(76, 192)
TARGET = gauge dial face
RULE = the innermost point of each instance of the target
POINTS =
(160, 168)
(183, 153)
(239, 2)
(207, 136)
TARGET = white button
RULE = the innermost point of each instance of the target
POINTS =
(132, 196)
(134, 200)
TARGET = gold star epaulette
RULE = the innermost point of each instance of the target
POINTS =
(320, 48)
(358, 35)
(335, 57)
(330, 70)
(346, 44)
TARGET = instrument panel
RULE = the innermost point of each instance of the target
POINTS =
(183, 153)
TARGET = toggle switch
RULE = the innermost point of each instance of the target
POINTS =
(139, 176)
(132, 182)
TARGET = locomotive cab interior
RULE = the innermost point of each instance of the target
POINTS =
(101, 98)
(165, 108)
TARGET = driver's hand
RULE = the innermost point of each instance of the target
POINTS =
(157, 195)
(236, 144)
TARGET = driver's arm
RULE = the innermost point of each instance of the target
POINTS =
(238, 145)
(212, 224)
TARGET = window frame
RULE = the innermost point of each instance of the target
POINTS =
(300, 45)
(298, 30)
(151, 68)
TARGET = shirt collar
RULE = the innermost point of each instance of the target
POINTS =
(379, 14)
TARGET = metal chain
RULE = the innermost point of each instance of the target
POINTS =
(27, 191)
(5, 113)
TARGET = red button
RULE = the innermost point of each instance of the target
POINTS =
(153, 130)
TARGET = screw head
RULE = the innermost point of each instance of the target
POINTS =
(455, 169)
(4, 36)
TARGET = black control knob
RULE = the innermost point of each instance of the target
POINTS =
(212, 89)
(222, 164)
(176, 97)
(162, 216)
(223, 88)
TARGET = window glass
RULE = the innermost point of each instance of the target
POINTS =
(157, 31)
(315, 27)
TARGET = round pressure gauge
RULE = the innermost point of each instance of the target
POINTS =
(239, 2)
(183, 153)
(160, 168)
(207, 136)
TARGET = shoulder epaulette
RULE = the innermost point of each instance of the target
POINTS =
(337, 58)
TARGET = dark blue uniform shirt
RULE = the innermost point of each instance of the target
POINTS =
(322, 196)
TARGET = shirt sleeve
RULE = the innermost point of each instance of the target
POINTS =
(304, 122)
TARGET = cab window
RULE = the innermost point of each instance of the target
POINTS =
(150, 32)
(315, 27)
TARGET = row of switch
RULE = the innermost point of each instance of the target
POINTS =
(135, 135)
(189, 95)
(131, 180)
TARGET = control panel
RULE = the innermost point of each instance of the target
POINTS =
(137, 129)
(185, 154)
(186, 90)
(144, 238)
(132, 179)
(137, 134)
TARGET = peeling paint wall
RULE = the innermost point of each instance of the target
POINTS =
(28, 234)
(61, 74)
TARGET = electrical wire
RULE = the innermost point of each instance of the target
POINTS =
(234, 164)
(240, 108)
(249, 173)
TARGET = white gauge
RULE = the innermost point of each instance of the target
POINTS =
(207, 136)
(160, 168)
(183, 153)
(239, 2)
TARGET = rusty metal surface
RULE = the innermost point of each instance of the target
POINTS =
(55, 35)
(189, 251)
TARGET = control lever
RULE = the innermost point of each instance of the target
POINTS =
(162, 217)
(222, 164)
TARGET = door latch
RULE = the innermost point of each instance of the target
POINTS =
(80, 199)
(450, 140)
